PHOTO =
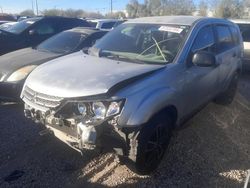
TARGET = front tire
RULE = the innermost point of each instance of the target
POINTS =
(227, 96)
(151, 143)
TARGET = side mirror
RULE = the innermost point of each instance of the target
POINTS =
(204, 59)
(32, 32)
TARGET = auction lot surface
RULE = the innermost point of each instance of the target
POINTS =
(213, 150)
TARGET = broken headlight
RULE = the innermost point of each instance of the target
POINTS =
(94, 112)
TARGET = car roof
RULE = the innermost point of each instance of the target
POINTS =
(241, 21)
(178, 20)
(52, 17)
(86, 30)
(104, 20)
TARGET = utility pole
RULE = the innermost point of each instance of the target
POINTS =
(36, 8)
(1, 10)
(32, 5)
(111, 7)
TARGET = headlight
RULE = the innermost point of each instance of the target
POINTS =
(99, 110)
(82, 109)
(21, 73)
(93, 113)
(114, 108)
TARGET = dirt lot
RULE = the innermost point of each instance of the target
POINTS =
(213, 150)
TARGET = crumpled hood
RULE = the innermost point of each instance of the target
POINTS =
(15, 60)
(79, 75)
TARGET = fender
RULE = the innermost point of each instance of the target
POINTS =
(147, 107)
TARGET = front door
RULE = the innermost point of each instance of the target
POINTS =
(201, 82)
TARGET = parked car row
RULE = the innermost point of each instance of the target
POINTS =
(134, 86)
(16, 66)
(105, 24)
(30, 32)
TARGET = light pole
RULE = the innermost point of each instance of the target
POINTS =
(111, 7)
(32, 5)
(36, 8)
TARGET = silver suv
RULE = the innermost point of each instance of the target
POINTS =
(138, 83)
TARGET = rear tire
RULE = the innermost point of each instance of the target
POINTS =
(151, 143)
(227, 96)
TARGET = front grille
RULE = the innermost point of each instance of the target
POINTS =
(38, 99)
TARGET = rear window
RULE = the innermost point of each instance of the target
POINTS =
(64, 42)
(108, 25)
(92, 24)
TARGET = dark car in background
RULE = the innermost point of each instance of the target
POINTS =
(33, 31)
(15, 66)
(7, 17)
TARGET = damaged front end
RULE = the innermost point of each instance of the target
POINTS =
(82, 124)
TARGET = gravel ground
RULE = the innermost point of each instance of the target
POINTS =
(212, 150)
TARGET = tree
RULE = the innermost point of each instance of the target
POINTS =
(155, 7)
(229, 9)
(27, 12)
(53, 12)
(170, 7)
(203, 8)
(74, 13)
(132, 8)
(96, 15)
(116, 15)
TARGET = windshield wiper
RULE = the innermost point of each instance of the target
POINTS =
(119, 57)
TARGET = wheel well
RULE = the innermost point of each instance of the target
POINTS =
(173, 113)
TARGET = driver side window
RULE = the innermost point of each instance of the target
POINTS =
(44, 29)
(204, 40)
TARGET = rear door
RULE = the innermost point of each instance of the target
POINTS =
(227, 53)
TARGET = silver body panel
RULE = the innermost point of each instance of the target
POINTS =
(184, 87)
(80, 75)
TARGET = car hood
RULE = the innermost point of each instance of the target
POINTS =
(15, 60)
(79, 75)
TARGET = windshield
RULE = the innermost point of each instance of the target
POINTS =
(21, 26)
(147, 43)
(64, 42)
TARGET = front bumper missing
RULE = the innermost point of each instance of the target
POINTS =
(78, 135)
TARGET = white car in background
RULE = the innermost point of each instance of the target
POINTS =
(105, 24)
(244, 26)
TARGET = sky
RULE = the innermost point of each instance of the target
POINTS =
(103, 6)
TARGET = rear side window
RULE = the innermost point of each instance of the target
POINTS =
(235, 34)
(205, 40)
(108, 25)
(44, 29)
(225, 40)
